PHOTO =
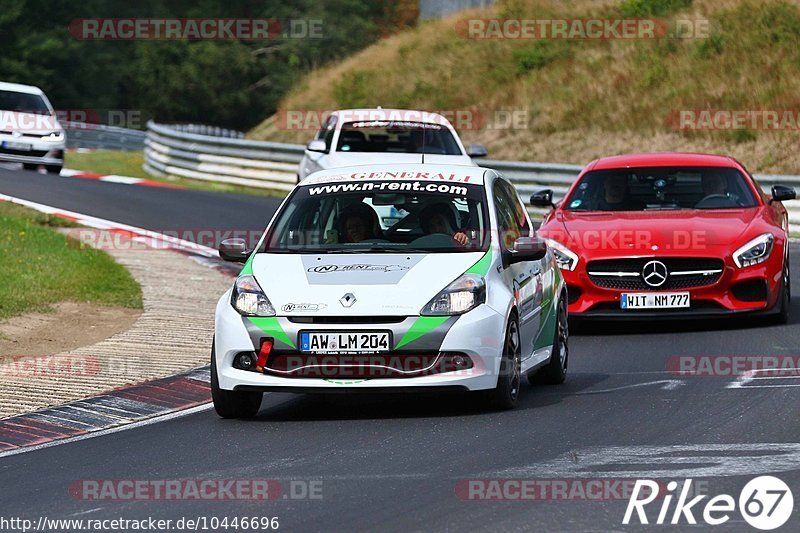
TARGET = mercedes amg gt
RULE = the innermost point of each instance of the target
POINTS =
(670, 235)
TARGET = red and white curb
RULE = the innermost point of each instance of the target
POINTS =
(114, 178)
(125, 408)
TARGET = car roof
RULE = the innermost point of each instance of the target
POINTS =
(663, 159)
(376, 113)
(19, 88)
(414, 171)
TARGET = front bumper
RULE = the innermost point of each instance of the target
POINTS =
(41, 152)
(477, 335)
(718, 299)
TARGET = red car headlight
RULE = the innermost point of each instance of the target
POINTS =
(754, 252)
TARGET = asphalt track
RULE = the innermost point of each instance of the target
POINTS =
(401, 463)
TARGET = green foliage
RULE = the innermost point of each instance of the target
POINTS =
(225, 83)
(539, 54)
(652, 8)
(353, 89)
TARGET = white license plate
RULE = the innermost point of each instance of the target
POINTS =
(11, 145)
(345, 342)
(654, 300)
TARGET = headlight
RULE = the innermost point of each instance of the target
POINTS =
(566, 259)
(248, 298)
(754, 252)
(465, 293)
(54, 137)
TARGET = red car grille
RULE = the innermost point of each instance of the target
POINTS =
(683, 273)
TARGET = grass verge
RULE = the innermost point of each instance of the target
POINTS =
(127, 163)
(41, 267)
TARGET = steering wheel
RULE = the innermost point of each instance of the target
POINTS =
(717, 200)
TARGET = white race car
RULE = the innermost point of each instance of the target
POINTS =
(453, 292)
(29, 130)
(351, 137)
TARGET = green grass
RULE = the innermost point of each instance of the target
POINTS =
(41, 267)
(123, 163)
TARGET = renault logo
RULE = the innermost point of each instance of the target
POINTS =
(347, 300)
(655, 273)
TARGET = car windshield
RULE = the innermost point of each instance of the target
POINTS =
(661, 188)
(397, 137)
(23, 102)
(382, 216)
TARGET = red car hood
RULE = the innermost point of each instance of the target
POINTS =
(647, 231)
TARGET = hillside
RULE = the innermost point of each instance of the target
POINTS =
(581, 99)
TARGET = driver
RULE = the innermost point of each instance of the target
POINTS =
(438, 218)
(359, 222)
(714, 184)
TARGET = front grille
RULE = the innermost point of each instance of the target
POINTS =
(367, 366)
(32, 153)
(595, 269)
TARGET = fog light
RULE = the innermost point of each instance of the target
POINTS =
(244, 361)
(459, 360)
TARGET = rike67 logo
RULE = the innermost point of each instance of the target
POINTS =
(765, 503)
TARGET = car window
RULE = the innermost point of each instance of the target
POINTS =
(661, 188)
(23, 102)
(397, 137)
(508, 222)
(326, 132)
(390, 216)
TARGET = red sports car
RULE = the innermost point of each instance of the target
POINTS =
(670, 235)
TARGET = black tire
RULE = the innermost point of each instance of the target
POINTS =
(786, 295)
(555, 371)
(504, 396)
(29, 166)
(53, 169)
(232, 404)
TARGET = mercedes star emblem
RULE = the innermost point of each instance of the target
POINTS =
(655, 273)
(347, 300)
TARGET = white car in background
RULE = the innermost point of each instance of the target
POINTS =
(455, 293)
(29, 130)
(385, 136)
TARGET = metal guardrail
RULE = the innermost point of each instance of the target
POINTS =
(99, 136)
(170, 151)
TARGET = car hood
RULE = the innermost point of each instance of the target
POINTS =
(343, 159)
(648, 231)
(28, 122)
(382, 284)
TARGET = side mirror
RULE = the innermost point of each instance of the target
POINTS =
(781, 193)
(234, 250)
(477, 150)
(527, 249)
(317, 145)
(543, 198)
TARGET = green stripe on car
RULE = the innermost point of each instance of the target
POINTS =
(421, 326)
(272, 327)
